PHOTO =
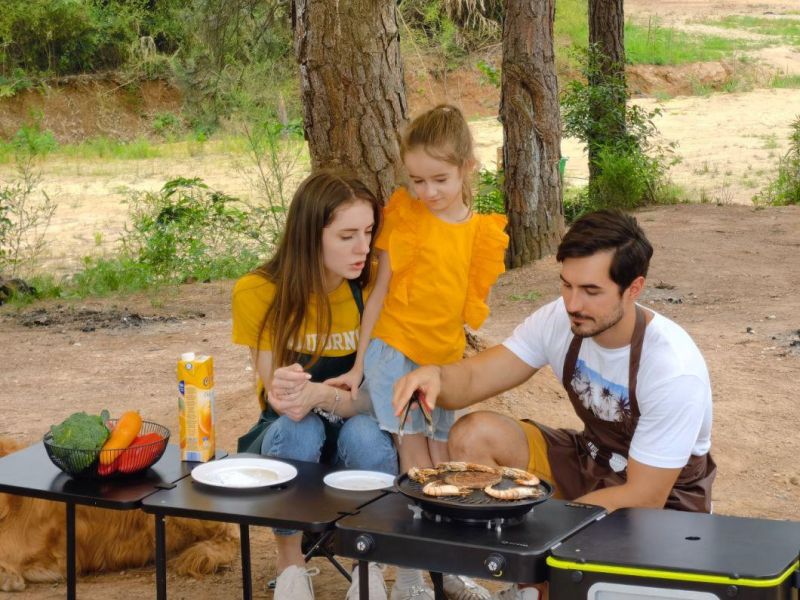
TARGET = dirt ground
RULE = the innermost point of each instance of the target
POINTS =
(726, 271)
(728, 274)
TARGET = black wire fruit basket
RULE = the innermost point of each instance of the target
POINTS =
(118, 462)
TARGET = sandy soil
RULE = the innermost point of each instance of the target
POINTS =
(726, 271)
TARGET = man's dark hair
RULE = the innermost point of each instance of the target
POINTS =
(610, 230)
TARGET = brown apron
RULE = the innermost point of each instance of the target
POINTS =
(583, 462)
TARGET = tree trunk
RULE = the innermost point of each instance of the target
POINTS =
(529, 110)
(607, 39)
(351, 81)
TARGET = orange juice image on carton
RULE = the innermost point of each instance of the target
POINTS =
(196, 407)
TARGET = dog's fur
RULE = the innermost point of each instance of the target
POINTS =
(33, 540)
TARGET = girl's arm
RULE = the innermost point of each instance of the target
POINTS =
(372, 310)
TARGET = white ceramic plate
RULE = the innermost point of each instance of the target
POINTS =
(359, 481)
(244, 473)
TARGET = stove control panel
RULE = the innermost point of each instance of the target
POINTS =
(495, 564)
(364, 544)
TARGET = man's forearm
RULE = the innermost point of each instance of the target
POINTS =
(481, 376)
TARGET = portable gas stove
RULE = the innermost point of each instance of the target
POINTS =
(396, 530)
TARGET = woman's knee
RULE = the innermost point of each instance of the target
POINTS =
(298, 440)
(363, 445)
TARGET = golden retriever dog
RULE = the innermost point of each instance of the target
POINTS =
(33, 540)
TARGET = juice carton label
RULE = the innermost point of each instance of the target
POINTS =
(196, 407)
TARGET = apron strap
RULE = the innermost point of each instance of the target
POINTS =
(637, 341)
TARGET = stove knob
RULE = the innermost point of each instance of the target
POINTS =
(364, 544)
(495, 564)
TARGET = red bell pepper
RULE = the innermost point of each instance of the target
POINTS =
(140, 453)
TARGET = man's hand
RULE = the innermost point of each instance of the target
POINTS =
(427, 380)
(289, 393)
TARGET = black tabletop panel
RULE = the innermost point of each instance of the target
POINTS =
(456, 547)
(29, 472)
(305, 502)
(684, 542)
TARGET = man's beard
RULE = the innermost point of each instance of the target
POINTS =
(592, 327)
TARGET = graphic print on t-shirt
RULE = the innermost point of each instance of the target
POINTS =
(607, 400)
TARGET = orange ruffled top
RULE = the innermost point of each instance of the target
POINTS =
(441, 276)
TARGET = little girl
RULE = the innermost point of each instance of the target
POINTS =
(437, 261)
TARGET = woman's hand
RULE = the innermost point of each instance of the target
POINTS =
(349, 381)
(289, 393)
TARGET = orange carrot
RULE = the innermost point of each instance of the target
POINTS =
(125, 431)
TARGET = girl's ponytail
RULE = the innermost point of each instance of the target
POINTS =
(444, 134)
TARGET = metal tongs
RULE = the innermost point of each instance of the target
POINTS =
(417, 398)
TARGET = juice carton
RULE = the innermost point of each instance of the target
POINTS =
(196, 406)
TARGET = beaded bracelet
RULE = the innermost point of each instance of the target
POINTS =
(331, 415)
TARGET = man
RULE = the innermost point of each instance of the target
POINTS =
(635, 379)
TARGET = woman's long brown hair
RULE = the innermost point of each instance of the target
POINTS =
(297, 268)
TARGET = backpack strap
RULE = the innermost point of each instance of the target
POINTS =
(358, 295)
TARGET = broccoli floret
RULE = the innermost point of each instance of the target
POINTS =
(80, 431)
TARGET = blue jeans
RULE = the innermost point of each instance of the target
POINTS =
(361, 445)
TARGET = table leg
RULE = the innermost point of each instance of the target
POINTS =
(71, 578)
(247, 579)
(438, 586)
(363, 580)
(161, 558)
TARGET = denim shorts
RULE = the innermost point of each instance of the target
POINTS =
(383, 365)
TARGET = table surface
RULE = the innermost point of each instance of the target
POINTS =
(29, 472)
(682, 542)
(304, 503)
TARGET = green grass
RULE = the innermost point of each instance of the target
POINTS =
(656, 45)
(785, 81)
(138, 149)
(788, 29)
(645, 44)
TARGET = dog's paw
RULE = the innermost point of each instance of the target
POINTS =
(202, 558)
(11, 581)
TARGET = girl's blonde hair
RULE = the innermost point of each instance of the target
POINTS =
(443, 133)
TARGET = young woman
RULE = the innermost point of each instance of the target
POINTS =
(300, 315)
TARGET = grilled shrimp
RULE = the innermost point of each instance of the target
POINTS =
(421, 475)
(447, 467)
(519, 476)
(439, 488)
(517, 493)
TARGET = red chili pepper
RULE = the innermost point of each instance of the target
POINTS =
(105, 470)
(140, 453)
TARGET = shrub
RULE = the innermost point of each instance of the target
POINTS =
(786, 187)
(189, 232)
(629, 164)
(490, 197)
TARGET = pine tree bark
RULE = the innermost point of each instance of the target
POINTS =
(351, 82)
(607, 37)
(529, 110)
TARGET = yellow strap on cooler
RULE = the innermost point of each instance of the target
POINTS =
(658, 574)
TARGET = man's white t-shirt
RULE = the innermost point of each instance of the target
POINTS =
(673, 389)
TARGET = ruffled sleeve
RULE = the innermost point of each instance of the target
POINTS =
(401, 235)
(487, 263)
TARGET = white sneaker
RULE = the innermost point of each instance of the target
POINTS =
(458, 587)
(414, 592)
(516, 593)
(294, 583)
(377, 587)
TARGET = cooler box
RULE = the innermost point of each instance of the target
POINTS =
(645, 554)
